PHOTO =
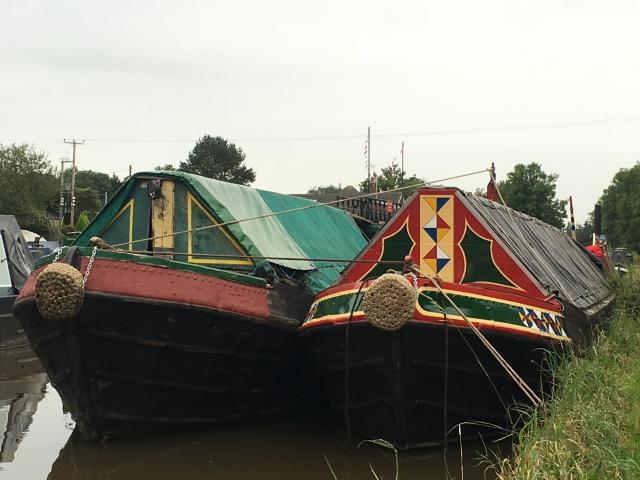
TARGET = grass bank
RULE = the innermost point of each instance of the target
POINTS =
(590, 427)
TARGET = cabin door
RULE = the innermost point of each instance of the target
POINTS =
(162, 219)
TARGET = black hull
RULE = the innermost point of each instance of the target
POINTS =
(396, 381)
(129, 366)
(11, 332)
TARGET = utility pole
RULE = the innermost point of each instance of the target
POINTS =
(73, 178)
(369, 158)
(62, 162)
(402, 166)
(129, 171)
(573, 221)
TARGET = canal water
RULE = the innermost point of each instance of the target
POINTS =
(38, 442)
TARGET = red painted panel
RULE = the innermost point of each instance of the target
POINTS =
(410, 215)
(29, 288)
(157, 283)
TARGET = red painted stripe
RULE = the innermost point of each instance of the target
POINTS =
(484, 327)
(158, 283)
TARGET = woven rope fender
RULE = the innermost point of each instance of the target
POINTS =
(390, 302)
(59, 291)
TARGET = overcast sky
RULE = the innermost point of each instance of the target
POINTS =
(140, 81)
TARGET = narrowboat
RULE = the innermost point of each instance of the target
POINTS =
(16, 263)
(191, 307)
(526, 286)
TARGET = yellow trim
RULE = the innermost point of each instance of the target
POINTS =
(340, 294)
(334, 316)
(130, 204)
(479, 321)
(515, 286)
(423, 312)
(191, 199)
(403, 226)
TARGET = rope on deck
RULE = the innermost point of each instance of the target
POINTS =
(526, 389)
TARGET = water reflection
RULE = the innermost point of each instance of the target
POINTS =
(282, 450)
(37, 443)
(22, 387)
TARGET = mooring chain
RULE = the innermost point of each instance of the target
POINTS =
(58, 253)
(415, 279)
(89, 266)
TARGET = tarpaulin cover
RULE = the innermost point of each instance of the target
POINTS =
(18, 255)
(551, 256)
(322, 232)
(319, 232)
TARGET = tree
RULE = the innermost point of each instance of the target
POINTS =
(100, 182)
(530, 190)
(82, 222)
(621, 209)
(391, 178)
(215, 157)
(88, 201)
(90, 190)
(481, 192)
(584, 232)
(29, 188)
(324, 189)
(167, 166)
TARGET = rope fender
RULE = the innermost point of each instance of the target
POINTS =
(390, 302)
(59, 291)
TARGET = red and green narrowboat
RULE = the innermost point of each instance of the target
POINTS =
(187, 321)
(524, 284)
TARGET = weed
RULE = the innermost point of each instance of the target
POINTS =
(589, 426)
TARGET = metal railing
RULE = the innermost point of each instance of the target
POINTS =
(374, 210)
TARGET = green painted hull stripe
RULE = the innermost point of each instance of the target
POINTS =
(433, 302)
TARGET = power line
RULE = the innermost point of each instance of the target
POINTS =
(423, 133)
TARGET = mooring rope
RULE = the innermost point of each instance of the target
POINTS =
(445, 415)
(526, 389)
(252, 257)
(347, 365)
(298, 209)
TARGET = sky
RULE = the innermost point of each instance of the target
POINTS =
(295, 84)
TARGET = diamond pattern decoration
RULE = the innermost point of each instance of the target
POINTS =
(437, 239)
(542, 321)
(436, 259)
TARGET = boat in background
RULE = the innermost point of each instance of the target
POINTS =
(193, 319)
(525, 285)
(16, 264)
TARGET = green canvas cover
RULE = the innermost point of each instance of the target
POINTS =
(321, 232)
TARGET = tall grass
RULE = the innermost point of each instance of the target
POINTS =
(590, 426)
